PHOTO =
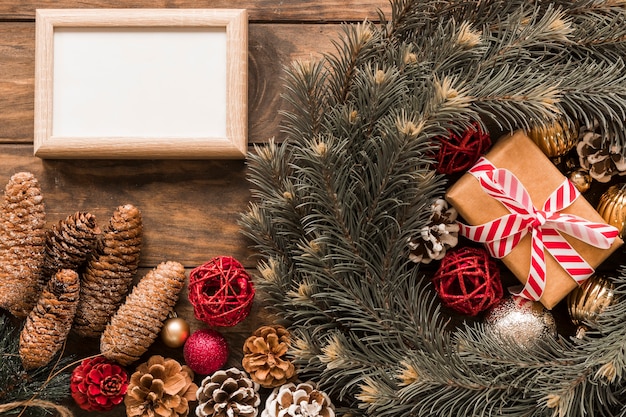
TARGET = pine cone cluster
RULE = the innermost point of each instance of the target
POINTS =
(291, 400)
(602, 161)
(49, 323)
(22, 239)
(160, 387)
(109, 272)
(228, 393)
(441, 233)
(138, 321)
(265, 356)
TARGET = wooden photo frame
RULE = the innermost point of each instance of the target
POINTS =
(141, 83)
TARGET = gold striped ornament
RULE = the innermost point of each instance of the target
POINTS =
(588, 300)
(612, 207)
(555, 139)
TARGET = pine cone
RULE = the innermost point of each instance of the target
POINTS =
(595, 155)
(22, 239)
(49, 323)
(138, 321)
(69, 244)
(160, 388)
(304, 399)
(264, 356)
(109, 272)
(440, 234)
(228, 393)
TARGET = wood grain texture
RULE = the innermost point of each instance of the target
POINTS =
(259, 10)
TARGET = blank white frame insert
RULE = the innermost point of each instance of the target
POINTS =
(141, 83)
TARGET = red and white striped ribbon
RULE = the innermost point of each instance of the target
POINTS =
(501, 235)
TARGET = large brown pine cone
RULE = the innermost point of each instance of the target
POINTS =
(69, 243)
(138, 321)
(22, 239)
(49, 323)
(291, 400)
(160, 388)
(228, 393)
(265, 356)
(109, 272)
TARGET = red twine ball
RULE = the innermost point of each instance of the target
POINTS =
(205, 351)
(468, 280)
(221, 292)
(98, 384)
(460, 153)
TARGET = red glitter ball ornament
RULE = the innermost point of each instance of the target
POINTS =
(460, 153)
(221, 292)
(98, 384)
(468, 280)
(205, 351)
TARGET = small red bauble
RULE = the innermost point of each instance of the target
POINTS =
(205, 351)
(98, 384)
(460, 153)
(221, 292)
(468, 280)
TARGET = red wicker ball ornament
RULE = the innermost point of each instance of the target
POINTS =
(221, 292)
(468, 280)
(460, 153)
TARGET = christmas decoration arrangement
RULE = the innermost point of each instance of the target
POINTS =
(228, 393)
(265, 356)
(338, 205)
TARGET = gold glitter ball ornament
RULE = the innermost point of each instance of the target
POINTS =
(612, 207)
(581, 180)
(554, 139)
(588, 300)
(175, 332)
(517, 320)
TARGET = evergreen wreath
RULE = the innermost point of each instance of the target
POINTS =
(335, 204)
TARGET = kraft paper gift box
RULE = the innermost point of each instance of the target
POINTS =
(519, 154)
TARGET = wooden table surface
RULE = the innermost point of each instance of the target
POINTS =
(190, 208)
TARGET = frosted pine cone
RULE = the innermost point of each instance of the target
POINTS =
(138, 321)
(264, 356)
(69, 243)
(228, 393)
(160, 388)
(596, 156)
(291, 400)
(49, 323)
(441, 233)
(109, 272)
(22, 239)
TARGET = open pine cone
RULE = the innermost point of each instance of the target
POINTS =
(595, 155)
(228, 393)
(441, 233)
(160, 388)
(293, 400)
(264, 356)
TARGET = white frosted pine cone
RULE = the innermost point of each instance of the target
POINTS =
(441, 233)
(228, 393)
(304, 399)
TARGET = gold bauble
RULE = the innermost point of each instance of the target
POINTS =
(555, 139)
(581, 180)
(175, 332)
(612, 207)
(586, 301)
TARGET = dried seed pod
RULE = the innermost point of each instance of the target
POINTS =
(22, 239)
(138, 321)
(49, 323)
(69, 243)
(109, 272)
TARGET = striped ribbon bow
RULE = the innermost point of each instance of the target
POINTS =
(503, 234)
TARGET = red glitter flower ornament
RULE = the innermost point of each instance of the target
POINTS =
(98, 384)
(221, 292)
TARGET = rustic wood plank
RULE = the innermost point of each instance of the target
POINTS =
(259, 10)
(270, 48)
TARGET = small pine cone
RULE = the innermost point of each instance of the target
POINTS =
(160, 388)
(441, 233)
(69, 244)
(22, 239)
(109, 272)
(49, 323)
(291, 400)
(597, 156)
(228, 393)
(264, 356)
(138, 321)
